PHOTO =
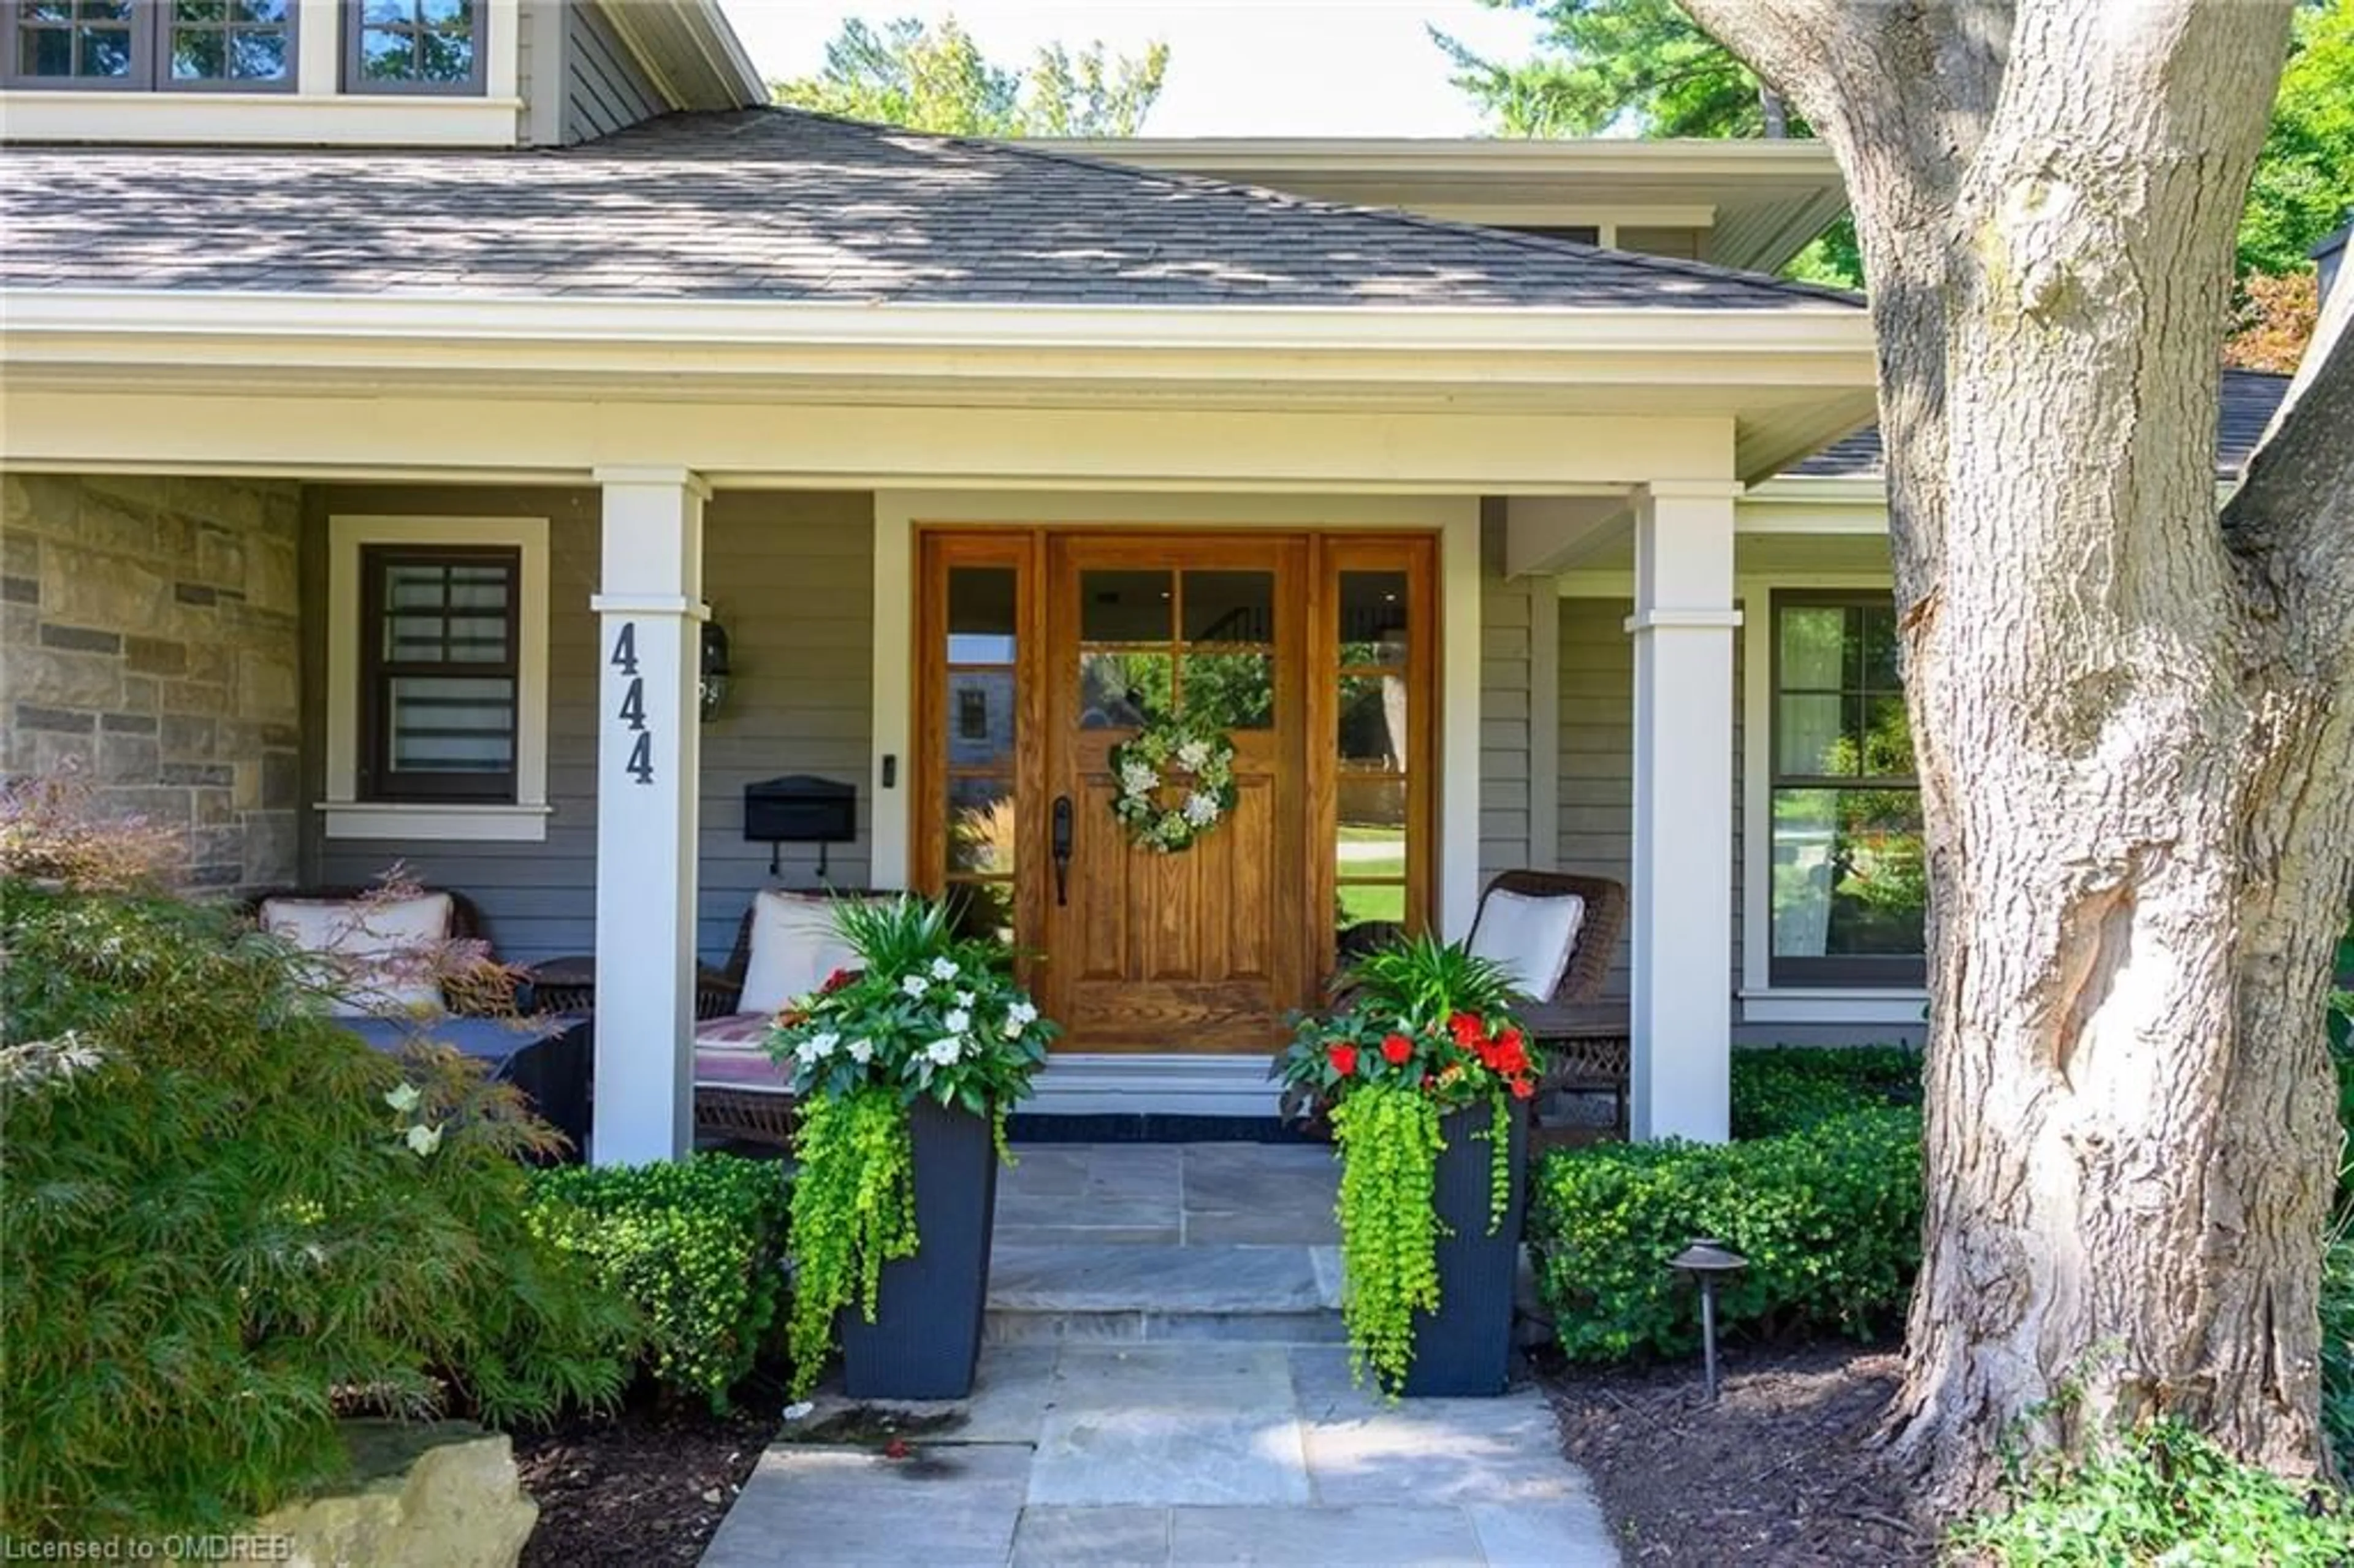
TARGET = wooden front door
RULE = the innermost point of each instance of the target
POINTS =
(1042, 649)
(1205, 948)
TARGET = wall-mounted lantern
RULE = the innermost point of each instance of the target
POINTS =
(715, 670)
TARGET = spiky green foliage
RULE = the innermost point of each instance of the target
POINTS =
(1428, 980)
(696, 1245)
(222, 1213)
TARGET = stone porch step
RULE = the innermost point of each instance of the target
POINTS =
(1047, 1292)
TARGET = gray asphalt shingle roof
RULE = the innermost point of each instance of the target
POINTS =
(2249, 397)
(776, 205)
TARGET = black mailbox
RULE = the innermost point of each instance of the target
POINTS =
(799, 809)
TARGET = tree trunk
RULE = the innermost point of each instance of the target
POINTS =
(2138, 775)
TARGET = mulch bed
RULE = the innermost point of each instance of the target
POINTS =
(1782, 1470)
(647, 1486)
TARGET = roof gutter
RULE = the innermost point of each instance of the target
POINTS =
(1827, 345)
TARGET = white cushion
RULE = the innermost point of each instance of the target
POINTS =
(1530, 939)
(795, 945)
(383, 946)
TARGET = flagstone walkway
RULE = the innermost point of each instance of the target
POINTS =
(1108, 1430)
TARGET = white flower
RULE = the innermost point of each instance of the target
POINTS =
(964, 999)
(945, 1050)
(1201, 810)
(1013, 1029)
(1136, 779)
(861, 1051)
(914, 985)
(1022, 1013)
(958, 1021)
(424, 1139)
(1194, 755)
(807, 1053)
(825, 1042)
(403, 1099)
(944, 968)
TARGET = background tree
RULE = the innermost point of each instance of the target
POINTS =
(2134, 717)
(937, 79)
(1645, 67)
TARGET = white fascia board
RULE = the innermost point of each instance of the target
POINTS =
(497, 337)
(1464, 154)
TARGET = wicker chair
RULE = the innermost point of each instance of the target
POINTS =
(1586, 1042)
(754, 1116)
(466, 923)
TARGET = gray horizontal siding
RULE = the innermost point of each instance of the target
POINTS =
(792, 579)
(1597, 755)
(605, 89)
(1597, 749)
(1505, 727)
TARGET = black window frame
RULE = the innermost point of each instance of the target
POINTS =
(357, 82)
(1892, 972)
(378, 780)
(151, 25)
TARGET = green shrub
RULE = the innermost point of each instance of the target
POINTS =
(697, 1246)
(1830, 1219)
(2337, 1345)
(221, 1215)
(2158, 1494)
(1782, 1088)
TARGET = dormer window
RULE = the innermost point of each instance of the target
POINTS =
(413, 45)
(237, 45)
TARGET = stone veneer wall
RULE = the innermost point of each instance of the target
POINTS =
(149, 638)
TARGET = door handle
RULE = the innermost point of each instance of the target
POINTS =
(1062, 847)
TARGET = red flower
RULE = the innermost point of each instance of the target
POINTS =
(1344, 1060)
(1395, 1049)
(1511, 1058)
(1468, 1031)
(1511, 1039)
(1522, 1088)
(836, 980)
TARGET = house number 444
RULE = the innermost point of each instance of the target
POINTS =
(632, 711)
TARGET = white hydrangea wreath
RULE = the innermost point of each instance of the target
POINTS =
(1161, 755)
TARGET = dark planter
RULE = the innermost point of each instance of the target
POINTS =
(925, 1341)
(1466, 1348)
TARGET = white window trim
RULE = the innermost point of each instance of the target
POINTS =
(1761, 1000)
(343, 814)
(314, 113)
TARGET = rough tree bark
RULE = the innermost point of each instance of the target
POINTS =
(2133, 717)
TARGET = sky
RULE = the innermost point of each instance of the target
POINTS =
(1237, 68)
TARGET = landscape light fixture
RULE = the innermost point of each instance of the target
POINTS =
(1708, 1260)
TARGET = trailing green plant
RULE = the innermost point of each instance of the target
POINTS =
(853, 1210)
(1783, 1089)
(1389, 1145)
(697, 1246)
(2157, 1493)
(1829, 1217)
(225, 1220)
(929, 1013)
(1423, 1030)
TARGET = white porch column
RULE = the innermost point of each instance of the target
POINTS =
(651, 614)
(1682, 883)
